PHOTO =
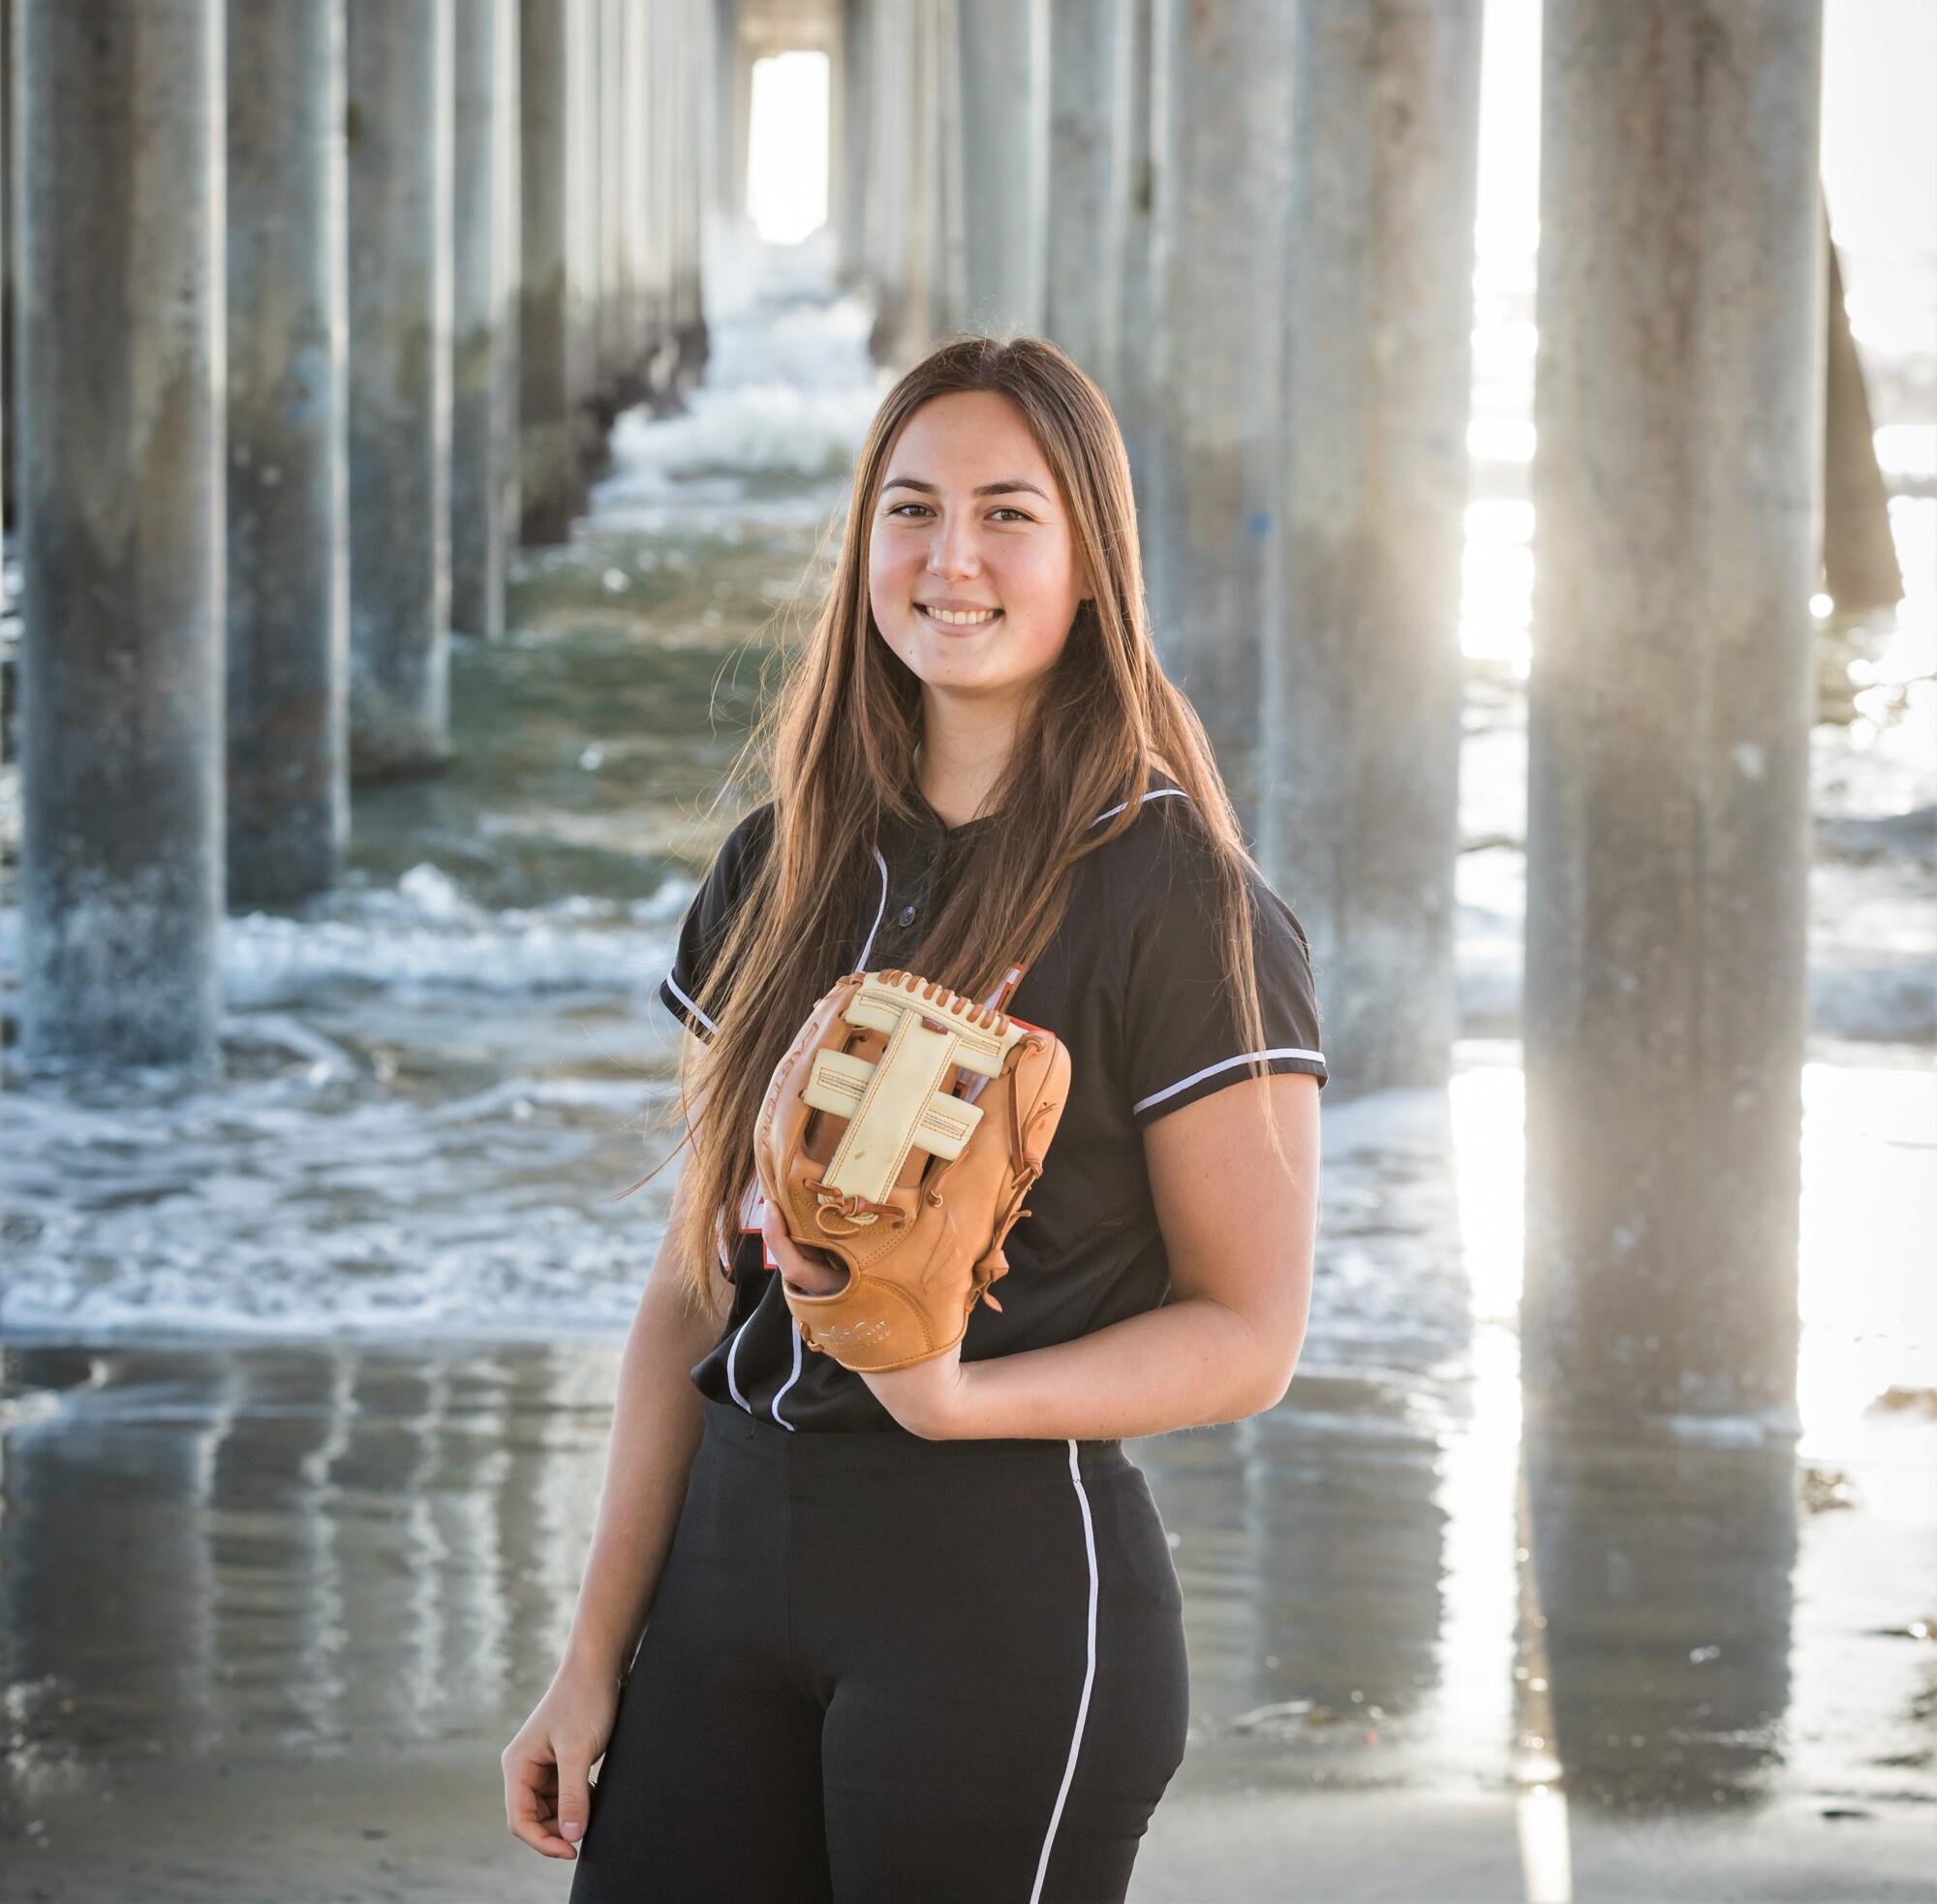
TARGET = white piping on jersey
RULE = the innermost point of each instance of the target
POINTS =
(793, 1375)
(1155, 793)
(1088, 1676)
(1224, 1064)
(774, 1406)
(861, 964)
(673, 986)
(732, 1386)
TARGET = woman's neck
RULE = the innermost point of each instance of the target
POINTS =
(956, 788)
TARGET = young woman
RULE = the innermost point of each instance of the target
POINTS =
(918, 1635)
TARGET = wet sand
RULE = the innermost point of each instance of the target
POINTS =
(269, 1614)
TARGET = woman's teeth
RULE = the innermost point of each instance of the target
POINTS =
(957, 619)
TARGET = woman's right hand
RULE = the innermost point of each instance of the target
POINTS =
(548, 1766)
(807, 1273)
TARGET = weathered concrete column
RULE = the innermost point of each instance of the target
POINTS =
(585, 249)
(1088, 196)
(483, 470)
(1364, 675)
(553, 490)
(885, 199)
(667, 161)
(731, 127)
(6, 431)
(510, 250)
(705, 107)
(287, 503)
(1003, 49)
(120, 309)
(916, 234)
(1861, 569)
(742, 109)
(635, 184)
(658, 261)
(400, 312)
(1217, 489)
(911, 241)
(1677, 496)
(615, 129)
(941, 181)
(695, 63)
(927, 176)
(847, 111)
(1131, 386)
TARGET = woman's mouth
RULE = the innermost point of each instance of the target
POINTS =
(959, 622)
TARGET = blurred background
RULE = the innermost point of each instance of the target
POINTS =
(425, 420)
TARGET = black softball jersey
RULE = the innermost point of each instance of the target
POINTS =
(1130, 982)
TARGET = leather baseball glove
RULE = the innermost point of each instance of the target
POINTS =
(898, 1139)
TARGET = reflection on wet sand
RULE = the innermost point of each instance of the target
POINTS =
(345, 1571)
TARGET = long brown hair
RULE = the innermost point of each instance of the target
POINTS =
(834, 750)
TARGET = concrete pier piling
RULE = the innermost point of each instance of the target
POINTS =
(120, 197)
(1861, 569)
(1679, 399)
(585, 255)
(616, 386)
(731, 123)
(937, 175)
(883, 195)
(848, 134)
(1223, 71)
(695, 62)
(635, 179)
(483, 418)
(1131, 388)
(1001, 54)
(7, 169)
(657, 348)
(552, 486)
(288, 495)
(510, 207)
(400, 326)
(912, 242)
(1087, 202)
(1364, 677)
(661, 352)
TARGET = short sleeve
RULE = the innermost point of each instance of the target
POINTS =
(1181, 1035)
(703, 930)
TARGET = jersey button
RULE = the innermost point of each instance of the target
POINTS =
(905, 916)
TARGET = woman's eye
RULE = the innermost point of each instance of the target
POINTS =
(1007, 509)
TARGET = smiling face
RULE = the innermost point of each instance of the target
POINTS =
(969, 520)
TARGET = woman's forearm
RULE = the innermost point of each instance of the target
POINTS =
(1191, 1364)
(656, 1421)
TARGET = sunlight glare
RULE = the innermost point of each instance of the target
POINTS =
(786, 148)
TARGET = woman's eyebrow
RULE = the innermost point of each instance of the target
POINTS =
(980, 489)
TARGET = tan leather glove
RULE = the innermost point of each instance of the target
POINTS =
(898, 1139)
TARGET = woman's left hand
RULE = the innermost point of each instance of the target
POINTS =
(924, 1397)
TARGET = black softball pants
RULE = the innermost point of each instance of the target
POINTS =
(887, 1670)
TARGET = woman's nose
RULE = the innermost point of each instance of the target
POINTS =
(954, 551)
